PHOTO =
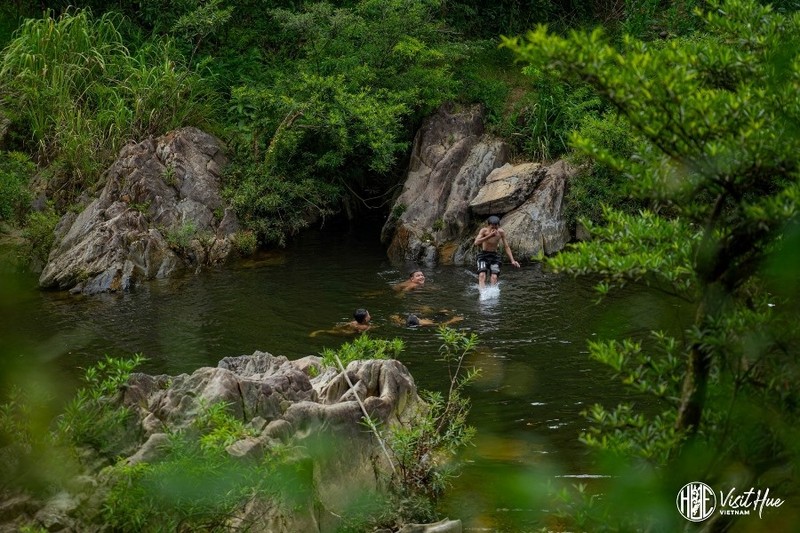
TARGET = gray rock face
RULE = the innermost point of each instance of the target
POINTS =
(450, 160)
(458, 176)
(159, 212)
(319, 419)
(538, 225)
(277, 397)
(507, 188)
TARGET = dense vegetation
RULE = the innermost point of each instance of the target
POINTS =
(197, 485)
(715, 117)
(318, 101)
(686, 123)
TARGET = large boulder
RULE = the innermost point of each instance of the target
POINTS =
(316, 424)
(506, 188)
(539, 226)
(320, 417)
(450, 160)
(159, 212)
(458, 176)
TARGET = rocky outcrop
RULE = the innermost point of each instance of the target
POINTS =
(159, 212)
(457, 177)
(506, 188)
(320, 419)
(450, 160)
(539, 225)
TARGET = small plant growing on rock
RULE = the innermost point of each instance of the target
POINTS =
(169, 175)
(245, 243)
(93, 418)
(363, 347)
(218, 427)
(180, 238)
(398, 210)
(422, 449)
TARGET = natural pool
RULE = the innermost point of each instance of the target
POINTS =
(536, 376)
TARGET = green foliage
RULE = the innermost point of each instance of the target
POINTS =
(198, 24)
(18, 438)
(40, 457)
(39, 234)
(335, 109)
(363, 347)
(95, 417)
(276, 207)
(488, 76)
(655, 371)
(651, 19)
(245, 243)
(716, 119)
(597, 185)
(77, 93)
(424, 449)
(540, 122)
(500, 17)
(180, 238)
(639, 248)
(196, 485)
(398, 210)
(16, 170)
(219, 428)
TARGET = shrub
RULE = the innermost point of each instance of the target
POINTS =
(38, 456)
(598, 184)
(94, 417)
(179, 238)
(538, 125)
(15, 172)
(245, 243)
(79, 93)
(275, 207)
(363, 347)
(197, 485)
(39, 235)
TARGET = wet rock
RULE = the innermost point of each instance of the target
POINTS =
(159, 213)
(457, 177)
(450, 160)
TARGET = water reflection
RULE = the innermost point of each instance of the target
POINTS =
(536, 377)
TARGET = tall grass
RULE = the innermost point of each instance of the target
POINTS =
(79, 93)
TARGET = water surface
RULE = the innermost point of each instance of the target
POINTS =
(536, 376)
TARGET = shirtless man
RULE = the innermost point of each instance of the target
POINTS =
(489, 237)
(413, 321)
(360, 323)
(415, 279)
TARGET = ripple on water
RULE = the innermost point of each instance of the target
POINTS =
(536, 376)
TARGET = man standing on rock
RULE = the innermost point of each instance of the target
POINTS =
(489, 237)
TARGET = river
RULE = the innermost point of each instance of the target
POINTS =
(536, 375)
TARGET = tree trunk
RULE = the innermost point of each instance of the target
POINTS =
(693, 395)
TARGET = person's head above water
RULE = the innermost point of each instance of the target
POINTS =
(493, 220)
(415, 280)
(361, 316)
(417, 276)
(412, 320)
